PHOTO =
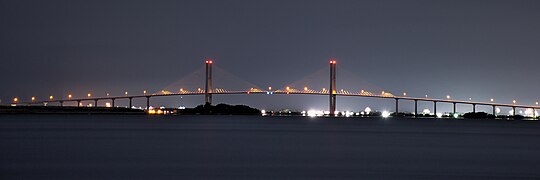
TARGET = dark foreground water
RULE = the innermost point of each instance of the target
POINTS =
(249, 147)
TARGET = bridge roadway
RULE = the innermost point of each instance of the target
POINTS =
(310, 92)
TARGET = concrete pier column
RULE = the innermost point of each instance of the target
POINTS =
(495, 111)
(474, 108)
(112, 102)
(435, 108)
(78, 103)
(416, 108)
(130, 102)
(95, 103)
(147, 102)
(397, 105)
(455, 108)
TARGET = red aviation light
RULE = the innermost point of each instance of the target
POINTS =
(209, 61)
(332, 61)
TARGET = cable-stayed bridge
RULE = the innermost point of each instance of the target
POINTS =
(330, 91)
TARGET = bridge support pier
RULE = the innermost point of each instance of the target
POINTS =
(130, 102)
(454, 108)
(332, 89)
(397, 105)
(95, 103)
(415, 108)
(435, 108)
(78, 103)
(147, 102)
(112, 102)
(494, 111)
(474, 108)
(513, 111)
(208, 86)
(61, 103)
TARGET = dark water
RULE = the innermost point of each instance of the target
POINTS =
(247, 147)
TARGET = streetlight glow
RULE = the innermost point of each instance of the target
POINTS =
(51, 97)
(89, 94)
(15, 100)
(33, 98)
(69, 96)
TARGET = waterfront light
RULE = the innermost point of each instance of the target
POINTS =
(15, 100)
(498, 110)
(456, 115)
(51, 97)
(529, 112)
(367, 110)
(33, 98)
(426, 111)
(439, 115)
(314, 113)
(385, 114)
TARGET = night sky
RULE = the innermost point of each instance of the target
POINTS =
(478, 49)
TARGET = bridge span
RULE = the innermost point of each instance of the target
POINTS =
(209, 91)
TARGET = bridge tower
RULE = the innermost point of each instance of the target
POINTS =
(332, 90)
(208, 86)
